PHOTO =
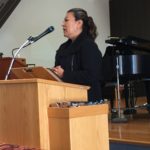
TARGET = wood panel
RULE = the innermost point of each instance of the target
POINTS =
(23, 109)
(79, 128)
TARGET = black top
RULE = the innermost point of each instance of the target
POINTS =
(82, 64)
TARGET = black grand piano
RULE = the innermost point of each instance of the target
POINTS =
(132, 55)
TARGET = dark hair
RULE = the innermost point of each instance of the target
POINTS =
(88, 24)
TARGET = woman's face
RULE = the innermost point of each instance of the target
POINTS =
(71, 27)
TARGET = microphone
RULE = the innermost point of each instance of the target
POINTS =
(29, 41)
(34, 39)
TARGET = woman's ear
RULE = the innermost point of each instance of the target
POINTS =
(80, 23)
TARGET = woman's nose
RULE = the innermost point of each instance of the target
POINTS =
(63, 23)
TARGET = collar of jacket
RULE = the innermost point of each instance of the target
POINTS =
(70, 47)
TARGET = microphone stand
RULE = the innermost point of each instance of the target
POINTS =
(120, 118)
(26, 43)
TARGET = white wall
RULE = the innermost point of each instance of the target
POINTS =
(32, 17)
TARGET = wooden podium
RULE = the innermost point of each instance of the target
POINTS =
(79, 128)
(24, 107)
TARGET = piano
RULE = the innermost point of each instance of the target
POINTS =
(133, 55)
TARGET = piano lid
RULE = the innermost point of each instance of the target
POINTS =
(130, 42)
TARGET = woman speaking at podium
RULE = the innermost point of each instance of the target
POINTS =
(79, 60)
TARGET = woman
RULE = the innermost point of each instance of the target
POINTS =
(79, 60)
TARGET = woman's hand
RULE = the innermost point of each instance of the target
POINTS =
(59, 71)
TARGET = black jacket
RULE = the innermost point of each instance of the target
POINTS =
(82, 64)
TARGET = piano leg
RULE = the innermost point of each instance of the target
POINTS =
(147, 88)
(126, 94)
(129, 98)
(130, 94)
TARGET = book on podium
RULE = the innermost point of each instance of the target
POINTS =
(34, 72)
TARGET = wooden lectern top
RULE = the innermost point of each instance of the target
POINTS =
(33, 72)
(5, 63)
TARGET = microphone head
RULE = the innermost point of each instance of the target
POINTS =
(50, 29)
